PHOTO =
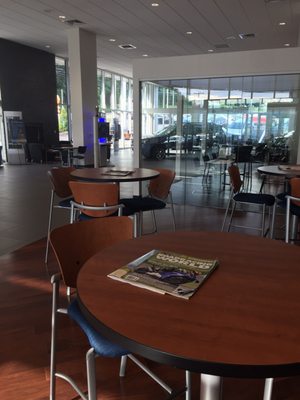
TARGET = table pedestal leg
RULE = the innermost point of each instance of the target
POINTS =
(211, 387)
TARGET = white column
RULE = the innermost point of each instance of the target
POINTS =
(82, 49)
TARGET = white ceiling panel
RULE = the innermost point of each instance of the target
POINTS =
(156, 31)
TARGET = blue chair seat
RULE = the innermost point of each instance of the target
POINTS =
(255, 198)
(102, 346)
(295, 210)
(66, 203)
(138, 203)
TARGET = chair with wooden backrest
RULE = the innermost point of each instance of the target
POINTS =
(292, 208)
(238, 196)
(73, 245)
(158, 194)
(59, 178)
(95, 200)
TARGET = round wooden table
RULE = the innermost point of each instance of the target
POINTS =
(104, 175)
(286, 172)
(242, 322)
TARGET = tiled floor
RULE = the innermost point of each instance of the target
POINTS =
(25, 194)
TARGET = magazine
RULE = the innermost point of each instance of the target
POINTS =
(166, 272)
(118, 172)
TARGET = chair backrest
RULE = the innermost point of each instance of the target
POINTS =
(74, 244)
(81, 149)
(95, 194)
(60, 178)
(235, 178)
(295, 190)
(243, 153)
(160, 187)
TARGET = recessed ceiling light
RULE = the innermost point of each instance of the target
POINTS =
(145, 55)
(62, 17)
(282, 23)
(189, 32)
(127, 46)
(47, 46)
(111, 40)
(210, 50)
(154, 4)
(287, 44)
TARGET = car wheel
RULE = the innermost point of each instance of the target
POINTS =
(158, 153)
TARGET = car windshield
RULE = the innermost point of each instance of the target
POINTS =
(165, 131)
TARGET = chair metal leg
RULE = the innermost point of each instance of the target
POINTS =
(226, 214)
(123, 366)
(172, 210)
(294, 228)
(268, 388)
(273, 221)
(287, 220)
(263, 220)
(150, 373)
(91, 374)
(154, 220)
(231, 215)
(55, 294)
(49, 225)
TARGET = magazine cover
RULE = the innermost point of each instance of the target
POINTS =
(166, 272)
(118, 172)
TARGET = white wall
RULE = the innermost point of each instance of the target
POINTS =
(242, 63)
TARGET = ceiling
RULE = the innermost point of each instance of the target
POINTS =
(159, 31)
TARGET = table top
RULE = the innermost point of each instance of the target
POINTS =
(103, 175)
(288, 172)
(242, 322)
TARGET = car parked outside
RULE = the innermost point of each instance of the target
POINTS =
(157, 146)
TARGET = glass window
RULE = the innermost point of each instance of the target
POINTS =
(62, 98)
(108, 87)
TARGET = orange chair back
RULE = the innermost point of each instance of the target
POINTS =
(295, 190)
(235, 178)
(60, 178)
(97, 195)
(160, 187)
(74, 244)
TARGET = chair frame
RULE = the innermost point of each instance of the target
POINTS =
(123, 229)
(81, 206)
(90, 358)
(233, 203)
(138, 215)
(52, 205)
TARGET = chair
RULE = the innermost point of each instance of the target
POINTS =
(78, 155)
(59, 178)
(292, 208)
(238, 196)
(158, 194)
(95, 200)
(73, 244)
(36, 152)
(243, 154)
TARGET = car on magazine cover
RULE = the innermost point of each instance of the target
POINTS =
(172, 276)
